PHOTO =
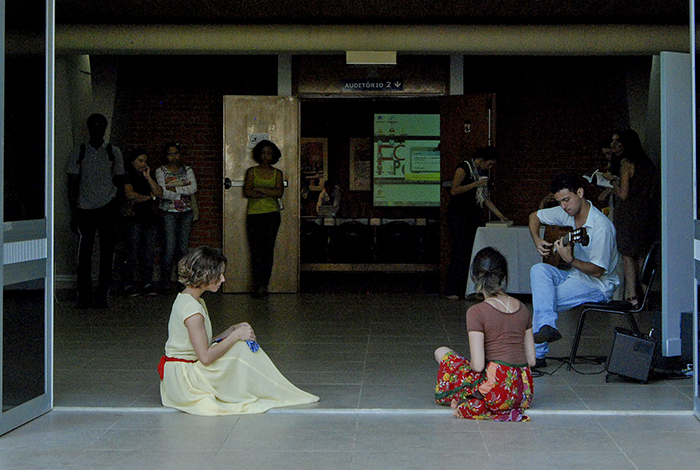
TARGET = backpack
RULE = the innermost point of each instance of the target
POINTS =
(81, 157)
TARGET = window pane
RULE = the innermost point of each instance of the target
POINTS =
(25, 109)
(23, 343)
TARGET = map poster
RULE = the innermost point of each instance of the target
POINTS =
(361, 164)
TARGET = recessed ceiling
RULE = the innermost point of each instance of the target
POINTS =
(652, 12)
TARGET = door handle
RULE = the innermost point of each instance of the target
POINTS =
(229, 183)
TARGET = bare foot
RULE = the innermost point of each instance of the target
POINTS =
(454, 404)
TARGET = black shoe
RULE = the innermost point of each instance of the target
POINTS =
(148, 289)
(130, 291)
(547, 334)
(540, 363)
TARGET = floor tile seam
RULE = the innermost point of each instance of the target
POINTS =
(484, 441)
(379, 411)
(578, 397)
(614, 441)
(364, 368)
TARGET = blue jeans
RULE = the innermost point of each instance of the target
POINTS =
(553, 291)
(176, 228)
(140, 245)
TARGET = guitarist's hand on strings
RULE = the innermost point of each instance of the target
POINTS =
(565, 251)
(544, 248)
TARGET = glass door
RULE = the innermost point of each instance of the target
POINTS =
(26, 189)
(694, 38)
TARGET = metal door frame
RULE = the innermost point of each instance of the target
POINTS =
(27, 246)
(696, 237)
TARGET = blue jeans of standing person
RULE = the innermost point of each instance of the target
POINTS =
(140, 249)
(262, 233)
(553, 291)
(176, 229)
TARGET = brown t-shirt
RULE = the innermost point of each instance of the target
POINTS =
(504, 333)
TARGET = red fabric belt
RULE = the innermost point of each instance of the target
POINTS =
(164, 359)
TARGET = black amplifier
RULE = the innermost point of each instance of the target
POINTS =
(632, 355)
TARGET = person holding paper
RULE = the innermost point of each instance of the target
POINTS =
(469, 194)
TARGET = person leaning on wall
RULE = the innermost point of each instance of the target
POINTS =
(263, 186)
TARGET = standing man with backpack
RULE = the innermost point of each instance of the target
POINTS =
(95, 170)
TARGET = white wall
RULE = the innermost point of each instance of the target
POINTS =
(677, 208)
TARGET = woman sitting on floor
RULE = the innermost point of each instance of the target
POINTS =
(216, 375)
(497, 383)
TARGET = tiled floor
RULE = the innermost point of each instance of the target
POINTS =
(369, 358)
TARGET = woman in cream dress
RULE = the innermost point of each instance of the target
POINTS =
(211, 375)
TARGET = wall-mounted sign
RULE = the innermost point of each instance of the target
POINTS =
(254, 139)
(372, 84)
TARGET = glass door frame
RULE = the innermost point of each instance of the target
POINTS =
(27, 246)
(696, 321)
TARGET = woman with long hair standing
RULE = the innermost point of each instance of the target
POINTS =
(637, 207)
(141, 192)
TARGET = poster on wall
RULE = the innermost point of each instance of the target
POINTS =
(406, 166)
(360, 164)
(314, 162)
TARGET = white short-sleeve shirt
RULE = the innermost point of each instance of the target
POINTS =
(601, 250)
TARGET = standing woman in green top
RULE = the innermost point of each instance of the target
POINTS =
(263, 186)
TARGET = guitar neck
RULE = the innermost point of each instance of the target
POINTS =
(566, 239)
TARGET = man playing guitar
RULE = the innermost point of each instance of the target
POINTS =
(591, 277)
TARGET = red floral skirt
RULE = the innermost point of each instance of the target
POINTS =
(500, 393)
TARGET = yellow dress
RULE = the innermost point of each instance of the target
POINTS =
(240, 382)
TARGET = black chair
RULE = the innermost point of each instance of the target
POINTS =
(352, 242)
(397, 242)
(619, 307)
(314, 242)
(430, 250)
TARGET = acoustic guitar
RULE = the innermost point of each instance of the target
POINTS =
(568, 236)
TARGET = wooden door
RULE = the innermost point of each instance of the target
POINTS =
(248, 119)
(466, 123)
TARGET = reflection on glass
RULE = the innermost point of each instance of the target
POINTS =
(23, 352)
(25, 110)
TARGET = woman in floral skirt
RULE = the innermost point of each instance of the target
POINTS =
(496, 384)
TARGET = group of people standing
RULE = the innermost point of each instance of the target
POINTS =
(108, 195)
(164, 199)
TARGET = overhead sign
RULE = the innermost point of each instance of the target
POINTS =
(373, 84)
